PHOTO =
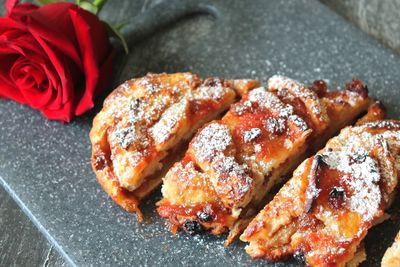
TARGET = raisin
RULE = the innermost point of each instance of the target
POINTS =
(360, 157)
(204, 216)
(212, 82)
(336, 196)
(298, 255)
(336, 192)
(192, 227)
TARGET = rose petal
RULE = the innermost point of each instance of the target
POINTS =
(62, 70)
(93, 56)
(7, 88)
(53, 24)
(15, 10)
(32, 82)
(35, 98)
(10, 4)
(64, 114)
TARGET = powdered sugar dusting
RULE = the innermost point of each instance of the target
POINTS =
(298, 89)
(275, 126)
(382, 124)
(137, 110)
(144, 107)
(361, 175)
(232, 177)
(230, 166)
(251, 135)
(142, 113)
(241, 107)
(284, 112)
(270, 101)
(151, 88)
(212, 88)
(152, 114)
(162, 130)
(257, 148)
(366, 156)
(187, 178)
(312, 190)
(299, 122)
(211, 141)
(131, 135)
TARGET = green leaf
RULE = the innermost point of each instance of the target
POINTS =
(114, 32)
(93, 6)
(89, 7)
(99, 4)
(46, 2)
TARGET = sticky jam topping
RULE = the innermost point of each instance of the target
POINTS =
(209, 212)
(265, 125)
(343, 193)
(145, 117)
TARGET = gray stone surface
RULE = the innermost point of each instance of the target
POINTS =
(21, 244)
(379, 18)
(45, 165)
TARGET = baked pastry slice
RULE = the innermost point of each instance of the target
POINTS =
(146, 119)
(231, 164)
(324, 211)
(392, 254)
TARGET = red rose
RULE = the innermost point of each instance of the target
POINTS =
(54, 58)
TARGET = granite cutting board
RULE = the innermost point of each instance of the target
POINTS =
(45, 165)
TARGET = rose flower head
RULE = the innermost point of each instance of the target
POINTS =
(55, 58)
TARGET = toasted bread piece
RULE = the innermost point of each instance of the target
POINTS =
(325, 210)
(143, 120)
(392, 254)
(232, 164)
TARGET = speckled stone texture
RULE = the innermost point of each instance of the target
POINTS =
(379, 18)
(45, 165)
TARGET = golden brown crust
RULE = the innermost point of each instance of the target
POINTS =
(392, 254)
(325, 210)
(231, 164)
(376, 112)
(143, 120)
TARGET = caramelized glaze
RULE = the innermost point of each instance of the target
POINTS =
(234, 162)
(325, 210)
(143, 120)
